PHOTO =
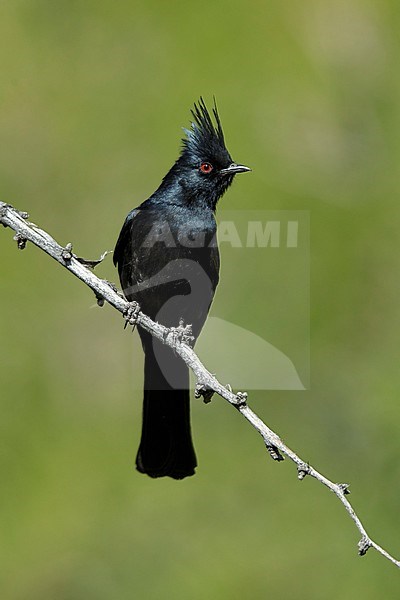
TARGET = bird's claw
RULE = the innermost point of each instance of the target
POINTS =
(131, 315)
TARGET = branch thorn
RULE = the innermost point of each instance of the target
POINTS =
(344, 487)
(203, 390)
(241, 398)
(66, 253)
(182, 333)
(21, 241)
(364, 545)
(274, 452)
(303, 470)
(91, 264)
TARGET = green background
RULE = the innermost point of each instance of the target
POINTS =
(93, 95)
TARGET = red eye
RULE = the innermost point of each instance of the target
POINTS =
(205, 167)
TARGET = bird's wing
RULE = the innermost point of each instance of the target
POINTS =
(134, 254)
(123, 238)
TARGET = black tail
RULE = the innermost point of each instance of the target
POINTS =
(166, 448)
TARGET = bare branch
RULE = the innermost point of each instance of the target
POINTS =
(177, 338)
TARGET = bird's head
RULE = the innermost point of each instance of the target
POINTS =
(205, 168)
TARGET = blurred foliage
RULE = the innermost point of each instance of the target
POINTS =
(93, 96)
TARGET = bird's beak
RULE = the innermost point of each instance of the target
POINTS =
(235, 168)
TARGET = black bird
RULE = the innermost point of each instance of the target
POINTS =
(168, 262)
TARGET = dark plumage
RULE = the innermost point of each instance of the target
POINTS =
(168, 261)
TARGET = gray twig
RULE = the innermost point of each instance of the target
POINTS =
(177, 339)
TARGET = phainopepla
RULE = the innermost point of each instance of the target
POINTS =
(168, 262)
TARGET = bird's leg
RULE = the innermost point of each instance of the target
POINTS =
(131, 314)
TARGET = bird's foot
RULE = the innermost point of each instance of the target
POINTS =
(203, 390)
(182, 333)
(131, 314)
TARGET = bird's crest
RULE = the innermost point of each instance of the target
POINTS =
(205, 140)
